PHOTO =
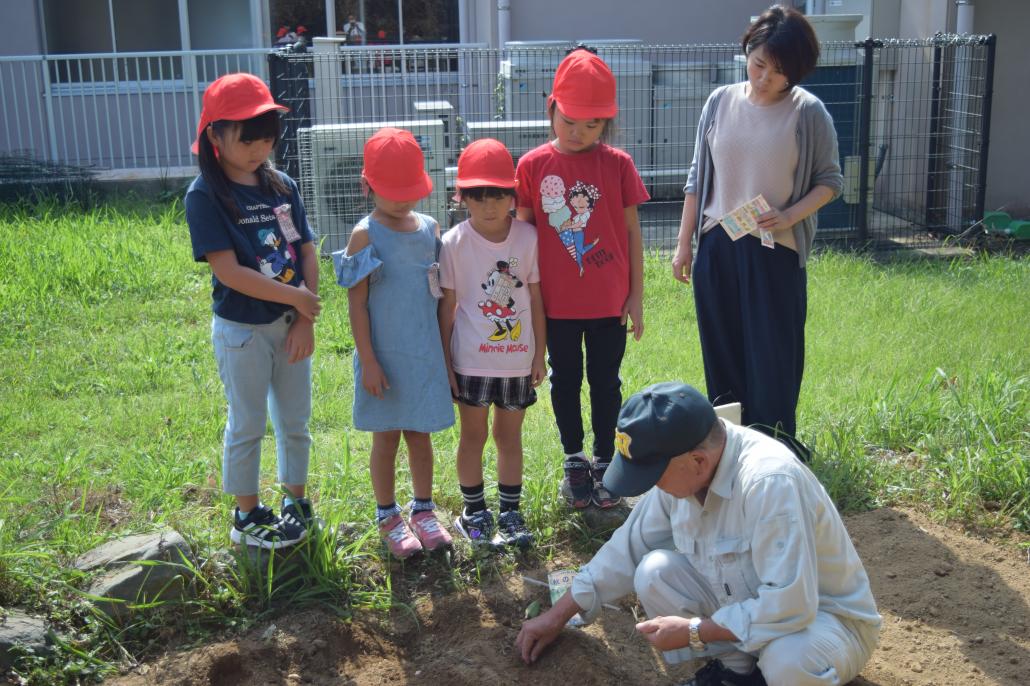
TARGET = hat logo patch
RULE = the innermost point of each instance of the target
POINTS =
(622, 441)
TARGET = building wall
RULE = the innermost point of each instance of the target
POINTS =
(923, 18)
(22, 33)
(1009, 152)
(653, 21)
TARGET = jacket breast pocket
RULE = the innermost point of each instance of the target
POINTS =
(736, 569)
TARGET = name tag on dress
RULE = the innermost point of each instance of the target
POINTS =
(285, 219)
(434, 280)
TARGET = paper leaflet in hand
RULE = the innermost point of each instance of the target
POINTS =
(558, 582)
(744, 219)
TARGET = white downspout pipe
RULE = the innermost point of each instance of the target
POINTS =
(503, 22)
(964, 16)
(330, 18)
(463, 21)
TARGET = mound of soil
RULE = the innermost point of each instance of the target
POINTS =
(955, 610)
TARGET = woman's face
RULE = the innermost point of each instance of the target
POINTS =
(764, 75)
(580, 203)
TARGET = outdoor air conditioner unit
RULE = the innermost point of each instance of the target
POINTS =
(330, 165)
(519, 136)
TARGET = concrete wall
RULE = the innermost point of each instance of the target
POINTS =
(1009, 152)
(653, 21)
(22, 32)
(923, 18)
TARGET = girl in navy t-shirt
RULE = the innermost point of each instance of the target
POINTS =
(247, 221)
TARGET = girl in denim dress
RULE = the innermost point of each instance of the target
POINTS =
(400, 379)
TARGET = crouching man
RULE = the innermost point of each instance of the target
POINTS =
(737, 555)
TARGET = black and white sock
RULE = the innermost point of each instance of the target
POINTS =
(510, 496)
(474, 498)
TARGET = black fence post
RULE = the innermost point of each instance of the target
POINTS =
(288, 81)
(933, 163)
(985, 129)
(865, 117)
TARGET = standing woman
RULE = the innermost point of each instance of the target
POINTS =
(768, 136)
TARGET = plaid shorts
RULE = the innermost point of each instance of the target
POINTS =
(507, 393)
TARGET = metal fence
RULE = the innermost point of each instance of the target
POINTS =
(120, 111)
(912, 119)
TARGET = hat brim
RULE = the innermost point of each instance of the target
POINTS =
(415, 191)
(237, 116)
(484, 182)
(574, 111)
(626, 478)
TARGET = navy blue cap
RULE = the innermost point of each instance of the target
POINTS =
(655, 425)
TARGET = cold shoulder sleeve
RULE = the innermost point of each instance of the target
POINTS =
(351, 269)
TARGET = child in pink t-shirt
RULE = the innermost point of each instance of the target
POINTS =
(492, 324)
(582, 194)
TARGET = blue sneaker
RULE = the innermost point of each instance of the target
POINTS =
(512, 531)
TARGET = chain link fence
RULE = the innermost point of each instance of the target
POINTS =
(911, 116)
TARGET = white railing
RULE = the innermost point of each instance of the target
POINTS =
(138, 111)
(127, 110)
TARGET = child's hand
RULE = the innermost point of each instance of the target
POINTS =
(307, 303)
(453, 381)
(373, 379)
(633, 311)
(538, 372)
(300, 341)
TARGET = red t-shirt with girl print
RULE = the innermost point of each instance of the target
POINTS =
(578, 202)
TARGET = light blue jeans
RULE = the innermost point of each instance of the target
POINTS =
(259, 380)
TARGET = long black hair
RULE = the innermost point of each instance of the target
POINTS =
(256, 128)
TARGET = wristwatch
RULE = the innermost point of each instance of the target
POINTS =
(695, 634)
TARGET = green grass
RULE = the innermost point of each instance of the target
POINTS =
(917, 391)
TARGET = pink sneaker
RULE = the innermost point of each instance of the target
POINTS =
(398, 537)
(430, 531)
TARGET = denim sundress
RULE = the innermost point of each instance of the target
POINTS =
(404, 328)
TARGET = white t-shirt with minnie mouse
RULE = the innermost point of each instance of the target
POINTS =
(493, 326)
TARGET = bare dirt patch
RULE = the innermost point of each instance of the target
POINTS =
(955, 610)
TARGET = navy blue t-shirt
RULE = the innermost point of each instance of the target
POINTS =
(260, 239)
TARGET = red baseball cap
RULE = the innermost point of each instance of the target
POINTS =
(485, 162)
(235, 97)
(281, 32)
(584, 87)
(395, 167)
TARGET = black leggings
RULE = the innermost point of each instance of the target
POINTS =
(605, 340)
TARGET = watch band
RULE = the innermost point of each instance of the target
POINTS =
(695, 634)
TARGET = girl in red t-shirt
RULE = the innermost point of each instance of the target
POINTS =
(582, 196)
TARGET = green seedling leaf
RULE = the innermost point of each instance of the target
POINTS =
(533, 609)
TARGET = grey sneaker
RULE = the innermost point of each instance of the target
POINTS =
(578, 485)
(601, 496)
